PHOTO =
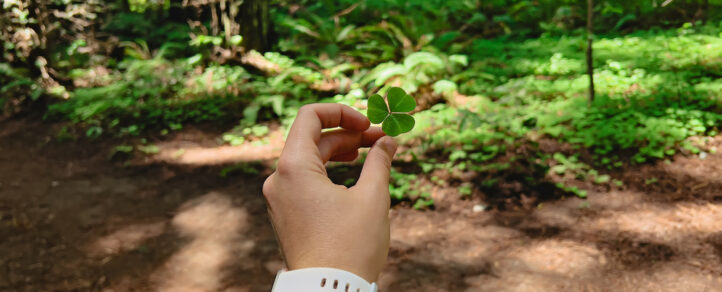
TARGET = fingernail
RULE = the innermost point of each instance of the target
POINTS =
(388, 144)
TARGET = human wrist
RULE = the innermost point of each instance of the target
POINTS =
(354, 253)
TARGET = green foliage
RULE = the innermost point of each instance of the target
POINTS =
(641, 107)
(567, 164)
(408, 187)
(173, 36)
(149, 149)
(494, 79)
(573, 189)
(16, 89)
(163, 94)
(143, 5)
(393, 115)
(445, 87)
(418, 69)
(152, 93)
(307, 27)
(244, 168)
(465, 190)
(240, 134)
(653, 97)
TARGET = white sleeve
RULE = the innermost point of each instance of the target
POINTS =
(319, 280)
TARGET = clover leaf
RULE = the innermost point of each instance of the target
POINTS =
(393, 116)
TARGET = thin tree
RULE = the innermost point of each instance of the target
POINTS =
(590, 61)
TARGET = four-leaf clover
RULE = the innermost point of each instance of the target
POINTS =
(394, 117)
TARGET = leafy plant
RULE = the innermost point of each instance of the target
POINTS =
(245, 168)
(393, 116)
(16, 89)
(417, 69)
(239, 134)
(407, 186)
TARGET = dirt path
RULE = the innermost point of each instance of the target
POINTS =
(72, 220)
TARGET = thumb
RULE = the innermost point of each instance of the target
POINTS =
(377, 168)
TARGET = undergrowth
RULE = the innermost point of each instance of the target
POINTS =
(480, 100)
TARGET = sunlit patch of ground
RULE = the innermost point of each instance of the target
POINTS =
(628, 212)
(186, 151)
(126, 238)
(212, 226)
(477, 241)
(524, 281)
(667, 223)
(673, 276)
(563, 257)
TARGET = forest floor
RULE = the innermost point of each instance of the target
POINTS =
(71, 219)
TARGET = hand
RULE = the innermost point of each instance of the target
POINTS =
(319, 223)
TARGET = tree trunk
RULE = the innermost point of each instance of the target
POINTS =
(255, 25)
(590, 59)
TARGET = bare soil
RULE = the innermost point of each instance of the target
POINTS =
(74, 219)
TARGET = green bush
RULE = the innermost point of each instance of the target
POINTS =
(17, 90)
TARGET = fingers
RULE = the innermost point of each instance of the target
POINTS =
(342, 141)
(345, 157)
(301, 153)
(377, 168)
(306, 129)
